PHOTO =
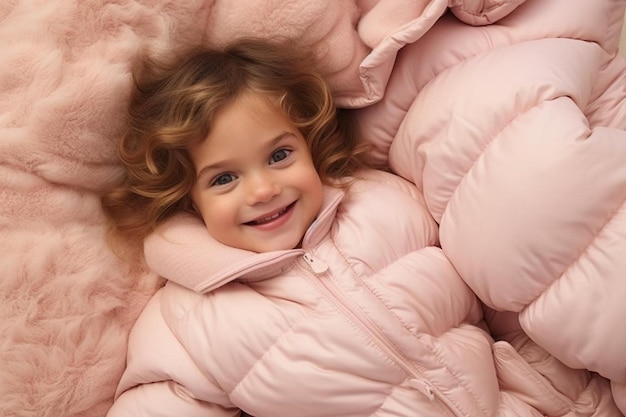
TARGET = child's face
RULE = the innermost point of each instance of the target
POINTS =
(256, 187)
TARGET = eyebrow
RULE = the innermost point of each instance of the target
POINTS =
(270, 144)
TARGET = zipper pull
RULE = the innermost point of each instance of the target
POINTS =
(317, 266)
(424, 387)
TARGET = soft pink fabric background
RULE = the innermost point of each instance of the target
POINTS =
(622, 41)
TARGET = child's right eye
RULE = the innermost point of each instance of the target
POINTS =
(223, 179)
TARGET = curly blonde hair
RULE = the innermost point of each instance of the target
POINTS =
(173, 107)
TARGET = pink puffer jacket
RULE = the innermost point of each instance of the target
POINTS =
(368, 319)
(515, 132)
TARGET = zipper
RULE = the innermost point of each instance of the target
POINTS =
(419, 382)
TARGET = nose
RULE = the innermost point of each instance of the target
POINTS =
(262, 187)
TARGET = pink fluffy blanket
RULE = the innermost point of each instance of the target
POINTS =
(66, 301)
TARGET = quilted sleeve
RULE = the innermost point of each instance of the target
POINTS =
(160, 377)
(528, 183)
(165, 399)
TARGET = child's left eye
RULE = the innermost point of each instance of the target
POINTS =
(279, 155)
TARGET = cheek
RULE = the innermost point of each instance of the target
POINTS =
(306, 173)
(311, 185)
(217, 213)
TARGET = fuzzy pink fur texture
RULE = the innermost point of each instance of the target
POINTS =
(66, 301)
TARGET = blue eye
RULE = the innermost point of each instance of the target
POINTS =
(223, 179)
(279, 155)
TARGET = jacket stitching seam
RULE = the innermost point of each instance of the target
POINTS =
(436, 352)
(582, 253)
(260, 358)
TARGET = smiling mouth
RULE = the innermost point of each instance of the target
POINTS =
(271, 218)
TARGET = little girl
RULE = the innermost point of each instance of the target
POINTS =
(300, 283)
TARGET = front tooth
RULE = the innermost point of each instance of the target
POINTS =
(274, 216)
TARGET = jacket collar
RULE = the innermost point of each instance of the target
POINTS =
(182, 251)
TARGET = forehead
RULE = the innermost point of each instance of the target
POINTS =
(249, 121)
